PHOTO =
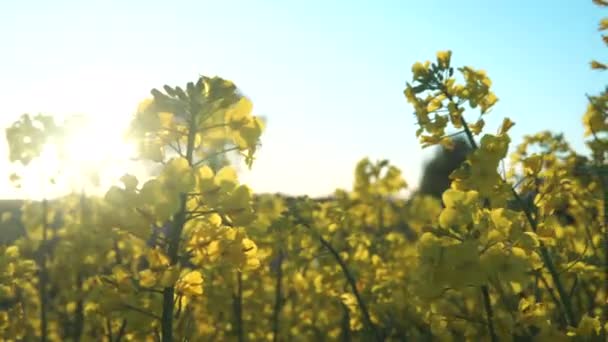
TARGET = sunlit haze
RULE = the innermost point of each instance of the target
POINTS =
(327, 76)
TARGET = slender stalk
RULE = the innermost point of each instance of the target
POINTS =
(169, 292)
(380, 214)
(553, 296)
(353, 285)
(188, 330)
(109, 328)
(79, 319)
(345, 335)
(217, 153)
(174, 240)
(278, 298)
(591, 297)
(43, 276)
(559, 286)
(604, 225)
(122, 331)
(79, 313)
(599, 160)
(507, 299)
(238, 307)
(599, 170)
(489, 313)
(141, 311)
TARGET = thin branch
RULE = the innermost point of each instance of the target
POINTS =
(194, 214)
(141, 311)
(214, 126)
(214, 154)
(553, 295)
(122, 331)
(352, 283)
(109, 327)
(577, 260)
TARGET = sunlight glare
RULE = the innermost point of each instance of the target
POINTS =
(92, 157)
(99, 148)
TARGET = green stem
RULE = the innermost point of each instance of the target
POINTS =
(122, 331)
(353, 285)
(605, 311)
(277, 298)
(345, 335)
(489, 313)
(174, 240)
(238, 307)
(601, 174)
(604, 225)
(559, 286)
(215, 154)
(553, 296)
(79, 314)
(43, 278)
(79, 319)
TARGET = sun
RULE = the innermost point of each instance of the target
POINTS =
(99, 149)
(99, 100)
(92, 156)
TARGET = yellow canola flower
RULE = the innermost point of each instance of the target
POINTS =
(443, 58)
(247, 136)
(452, 217)
(162, 203)
(157, 259)
(129, 181)
(145, 105)
(458, 209)
(152, 150)
(12, 252)
(420, 70)
(477, 127)
(120, 274)
(226, 179)
(178, 176)
(533, 164)
(594, 121)
(495, 145)
(238, 206)
(166, 120)
(505, 126)
(455, 198)
(191, 284)
(506, 264)
(147, 278)
(587, 327)
(462, 265)
(204, 179)
(240, 114)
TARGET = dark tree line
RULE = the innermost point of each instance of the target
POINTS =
(436, 172)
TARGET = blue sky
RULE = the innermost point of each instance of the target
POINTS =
(328, 75)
